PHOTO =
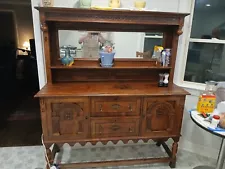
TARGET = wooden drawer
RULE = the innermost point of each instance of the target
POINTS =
(114, 127)
(115, 106)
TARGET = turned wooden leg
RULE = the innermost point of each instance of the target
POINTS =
(174, 153)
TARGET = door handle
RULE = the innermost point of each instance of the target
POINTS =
(115, 127)
(115, 106)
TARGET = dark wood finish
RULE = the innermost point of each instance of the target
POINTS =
(69, 116)
(115, 106)
(106, 75)
(87, 103)
(120, 63)
(160, 116)
(174, 152)
(114, 127)
(109, 89)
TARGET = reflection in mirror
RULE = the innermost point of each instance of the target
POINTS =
(152, 39)
(87, 44)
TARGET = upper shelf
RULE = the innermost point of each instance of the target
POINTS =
(125, 17)
(119, 63)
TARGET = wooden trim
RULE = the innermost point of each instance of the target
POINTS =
(46, 41)
(93, 141)
(111, 16)
(116, 163)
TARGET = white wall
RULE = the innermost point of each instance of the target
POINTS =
(24, 21)
(193, 138)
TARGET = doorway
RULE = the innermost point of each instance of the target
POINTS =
(20, 117)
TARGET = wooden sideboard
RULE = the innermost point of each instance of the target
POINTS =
(87, 103)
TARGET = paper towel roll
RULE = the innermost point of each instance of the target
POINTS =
(221, 107)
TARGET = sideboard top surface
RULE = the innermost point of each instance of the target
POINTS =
(108, 89)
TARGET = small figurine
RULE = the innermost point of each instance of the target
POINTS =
(166, 81)
(161, 79)
(165, 57)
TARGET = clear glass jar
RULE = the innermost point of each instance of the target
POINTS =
(210, 88)
(207, 99)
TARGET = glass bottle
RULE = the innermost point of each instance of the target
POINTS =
(207, 99)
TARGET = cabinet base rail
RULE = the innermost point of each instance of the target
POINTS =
(115, 163)
(171, 159)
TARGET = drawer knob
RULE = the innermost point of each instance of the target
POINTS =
(130, 130)
(159, 113)
(115, 106)
(115, 127)
(130, 108)
(100, 107)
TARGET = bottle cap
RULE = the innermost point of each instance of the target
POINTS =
(216, 117)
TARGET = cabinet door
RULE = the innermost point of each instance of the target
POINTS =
(68, 118)
(160, 115)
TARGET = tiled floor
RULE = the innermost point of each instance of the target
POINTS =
(33, 157)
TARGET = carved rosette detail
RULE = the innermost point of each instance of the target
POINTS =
(160, 107)
(180, 31)
(42, 106)
(67, 114)
(44, 27)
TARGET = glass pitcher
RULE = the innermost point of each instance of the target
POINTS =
(207, 99)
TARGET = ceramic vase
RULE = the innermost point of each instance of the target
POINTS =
(106, 59)
(85, 3)
(67, 60)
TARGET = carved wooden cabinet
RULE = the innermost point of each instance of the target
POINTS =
(160, 116)
(87, 103)
(68, 117)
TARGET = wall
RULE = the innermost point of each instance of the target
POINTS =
(193, 138)
(23, 16)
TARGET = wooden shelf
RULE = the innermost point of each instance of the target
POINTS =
(114, 67)
(120, 63)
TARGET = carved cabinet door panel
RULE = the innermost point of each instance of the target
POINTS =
(161, 116)
(68, 118)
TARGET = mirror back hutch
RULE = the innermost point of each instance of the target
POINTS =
(87, 103)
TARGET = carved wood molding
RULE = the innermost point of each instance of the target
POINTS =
(44, 27)
(124, 141)
(161, 106)
(67, 113)
(72, 15)
(42, 107)
(119, 18)
(180, 31)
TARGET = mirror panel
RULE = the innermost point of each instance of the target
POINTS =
(87, 44)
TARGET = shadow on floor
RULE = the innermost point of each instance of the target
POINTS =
(21, 133)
